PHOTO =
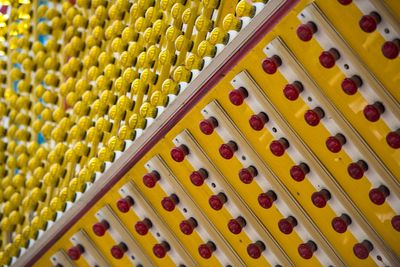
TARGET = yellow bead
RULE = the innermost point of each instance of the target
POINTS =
(181, 74)
(96, 165)
(36, 194)
(58, 114)
(85, 123)
(49, 97)
(183, 43)
(56, 204)
(169, 86)
(231, 22)
(101, 13)
(15, 217)
(172, 33)
(203, 23)
(26, 232)
(147, 110)
(46, 214)
(177, 10)
(245, 9)
(187, 15)
(116, 144)
(205, 49)
(218, 36)
(156, 99)
(115, 113)
(86, 175)
(80, 149)
(71, 99)
(16, 199)
(7, 208)
(141, 24)
(194, 62)
(107, 97)
(63, 194)
(129, 75)
(105, 154)
(5, 224)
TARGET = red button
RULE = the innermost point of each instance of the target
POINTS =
(334, 143)
(206, 250)
(328, 58)
(75, 252)
(124, 204)
(150, 179)
(246, 175)
(187, 226)
(378, 195)
(319, 199)
(292, 91)
(393, 139)
(298, 172)
(197, 177)
(368, 23)
(373, 112)
(267, 199)
(345, 2)
(160, 250)
(356, 170)
(142, 227)
(258, 121)
(100, 228)
(270, 65)
(351, 85)
(362, 250)
(255, 249)
(217, 201)
(278, 147)
(307, 250)
(390, 49)
(207, 125)
(312, 117)
(306, 31)
(396, 223)
(236, 225)
(227, 150)
(286, 225)
(339, 224)
(237, 96)
(169, 203)
(178, 153)
(118, 251)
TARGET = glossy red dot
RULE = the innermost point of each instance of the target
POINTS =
(356, 170)
(207, 125)
(298, 172)
(340, 224)
(328, 58)
(378, 195)
(368, 23)
(313, 117)
(100, 228)
(124, 204)
(306, 250)
(187, 226)
(227, 150)
(334, 143)
(160, 250)
(351, 85)
(237, 96)
(75, 252)
(362, 250)
(118, 251)
(270, 65)
(168, 203)
(178, 153)
(319, 199)
(266, 199)
(217, 201)
(345, 2)
(293, 90)
(396, 223)
(150, 179)
(206, 250)
(257, 121)
(390, 49)
(306, 31)
(236, 225)
(393, 139)
(246, 175)
(255, 249)
(373, 112)
(142, 227)
(285, 226)
(197, 177)
(278, 147)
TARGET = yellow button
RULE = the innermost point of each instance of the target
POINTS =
(245, 9)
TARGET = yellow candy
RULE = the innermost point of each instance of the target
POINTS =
(5, 224)
(147, 110)
(172, 33)
(46, 214)
(203, 23)
(56, 204)
(194, 62)
(129, 75)
(37, 194)
(96, 165)
(125, 133)
(218, 36)
(169, 86)
(177, 10)
(182, 43)
(16, 199)
(81, 149)
(15, 217)
(86, 175)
